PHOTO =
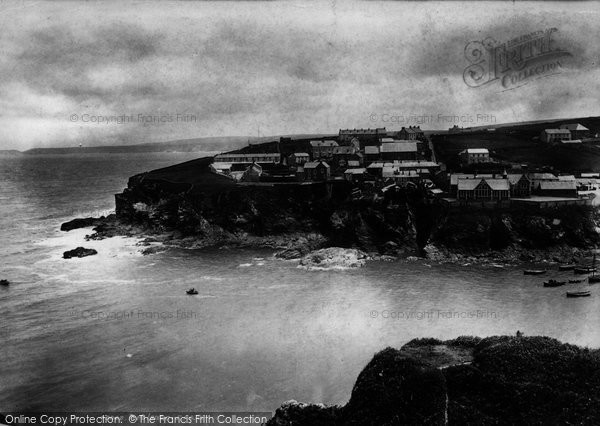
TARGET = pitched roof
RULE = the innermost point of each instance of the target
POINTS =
(574, 126)
(514, 178)
(476, 151)
(399, 147)
(353, 163)
(344, 150)
(416, 164)
(355, 171)
(456, 176)
(558, 185)
(468, 184)
(494, 184)
(299, 154)
(566, 178)
(387, 140)
(498, 184)
(323, 143)
(557, 131)
(221, 166)
(542, 176)
(371, 149)
(314, 164)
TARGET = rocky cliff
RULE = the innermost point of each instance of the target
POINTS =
(468, 380)
(198, 208)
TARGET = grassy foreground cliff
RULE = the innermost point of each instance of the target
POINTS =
(468, 380)
(190, 202)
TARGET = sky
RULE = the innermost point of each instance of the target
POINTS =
(106, 73)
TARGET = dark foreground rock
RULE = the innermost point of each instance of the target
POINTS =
(79, 252)
(468, 380)
(4, 282)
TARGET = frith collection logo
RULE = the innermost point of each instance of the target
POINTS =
(515, 62)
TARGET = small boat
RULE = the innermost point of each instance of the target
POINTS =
(192, 291)
(534, 271)
(584, 269)
(568, 267)
(575, 281)
(4, 282)
(584, 293)
(554, 283)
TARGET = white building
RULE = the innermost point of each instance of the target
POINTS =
(474, 156)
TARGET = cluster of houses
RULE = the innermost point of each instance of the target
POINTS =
(566, 133)
(519, 185)
(357, 155)
(384, 158)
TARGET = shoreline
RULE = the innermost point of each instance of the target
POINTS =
(296, 246)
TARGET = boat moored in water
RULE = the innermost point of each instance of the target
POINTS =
(568, 267)
(584, 269)
(192, 291)
(584, 293)
(534, 271)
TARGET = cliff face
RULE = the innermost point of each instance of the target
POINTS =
(468, 380)
(372, 223)
(193, 202)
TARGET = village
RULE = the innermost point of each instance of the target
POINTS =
(377, 160)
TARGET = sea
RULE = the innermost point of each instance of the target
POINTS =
(117, 331)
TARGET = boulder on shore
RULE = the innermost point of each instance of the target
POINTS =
(79, 252)
(334, 258)
(87, 222)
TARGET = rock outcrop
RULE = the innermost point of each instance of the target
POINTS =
(468, 380)
(86, 222)
(79, 252)
(334, 258)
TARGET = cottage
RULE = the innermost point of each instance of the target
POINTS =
(577, 130)
(411, 133)
(375, 169)
(557, 189)
(537, 178)
(355, 175)
(474, 156)
(322, 149)
(399, 151)
(317, 171)
(483, 189)
(221, 168)
(555, 135)
(342, 154)
(252, 173)
(399, 176)
(298, 158)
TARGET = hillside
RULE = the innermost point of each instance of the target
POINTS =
(519, 144)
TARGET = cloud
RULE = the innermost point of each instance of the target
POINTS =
(281, 67)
